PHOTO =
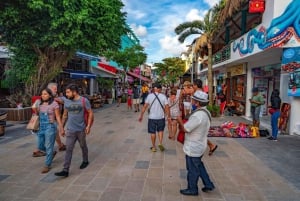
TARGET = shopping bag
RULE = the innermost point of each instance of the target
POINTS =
(181, 134)
(33, 123)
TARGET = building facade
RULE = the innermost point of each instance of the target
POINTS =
(268, 41)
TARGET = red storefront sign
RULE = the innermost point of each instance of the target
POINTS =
(256, 6)
(107, 67)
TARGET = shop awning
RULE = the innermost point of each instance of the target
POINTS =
(107, 67)
(103, 73)
(138, 76)
(87, 56)
(80, 74)
(103, 70)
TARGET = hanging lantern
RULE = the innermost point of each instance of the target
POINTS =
(256, 6)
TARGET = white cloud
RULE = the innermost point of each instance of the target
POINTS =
(171, 45)
(211, 3)
(139, 30)
(193, 15)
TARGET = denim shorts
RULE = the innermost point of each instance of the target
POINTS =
(156, 125)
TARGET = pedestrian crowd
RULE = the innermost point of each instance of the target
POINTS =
(180, 109)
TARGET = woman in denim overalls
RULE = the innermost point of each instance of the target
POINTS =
(48, 112)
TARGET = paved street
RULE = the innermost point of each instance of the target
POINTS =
(122, 168)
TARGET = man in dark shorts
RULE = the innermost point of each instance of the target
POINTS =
(158, 110)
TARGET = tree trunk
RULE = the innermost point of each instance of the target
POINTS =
(48, 67)
(209, 74)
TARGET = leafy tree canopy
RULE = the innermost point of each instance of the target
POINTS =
(49, 32)
(170, 69)
(130, 57)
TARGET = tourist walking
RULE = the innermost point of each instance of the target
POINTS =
(145, 92)
(61, 147)
(275, 112)
(119, 95)
(195, 143)
(129, 98)
(77, 127)
(136, 98)
(158, 110)
(48, 111)
(173, 102)
(185, 98)
(60, 100)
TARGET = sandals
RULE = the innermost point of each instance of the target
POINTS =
(153, 149)
(62, 148)
(38, 154)
(172, 137)
(212, 150)
(161, 147)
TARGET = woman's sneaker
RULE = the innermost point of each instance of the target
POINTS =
(272, 138)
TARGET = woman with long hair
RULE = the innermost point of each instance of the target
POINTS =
(275, 112)
(49, 114)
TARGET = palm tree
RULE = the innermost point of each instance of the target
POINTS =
(208, 26)
(230, 6)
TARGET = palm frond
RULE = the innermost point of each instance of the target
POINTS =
(195, 24)
(187, 33)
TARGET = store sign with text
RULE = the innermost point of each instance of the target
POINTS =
(237, 70)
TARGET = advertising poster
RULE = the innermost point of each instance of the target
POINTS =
(291, 64)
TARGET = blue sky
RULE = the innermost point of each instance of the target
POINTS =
(154, 21)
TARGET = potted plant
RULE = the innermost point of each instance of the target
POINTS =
(107, 85)
(214, 110)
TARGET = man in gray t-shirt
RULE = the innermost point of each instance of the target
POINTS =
(76, 129)
(76, 114)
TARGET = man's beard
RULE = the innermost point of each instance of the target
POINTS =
(71, 97)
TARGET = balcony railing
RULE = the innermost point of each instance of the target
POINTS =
(222, 55)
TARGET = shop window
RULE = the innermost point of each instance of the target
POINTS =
(239, 87)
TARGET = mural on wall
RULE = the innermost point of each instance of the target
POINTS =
(280, 31)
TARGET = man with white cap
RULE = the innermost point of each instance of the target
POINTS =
(195, 144)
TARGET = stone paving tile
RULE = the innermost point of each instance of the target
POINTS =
(3, 177)
(135, 186)
(155, 173)
(129, 141)
(72, 193)
(128, 196)
(111, 194)
(89, 196)
(99, 184)
(142, 164)
(26, 145)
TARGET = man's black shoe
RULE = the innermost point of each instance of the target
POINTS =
(62, 174)
(188, 192)
(206, 189)
(84, 165)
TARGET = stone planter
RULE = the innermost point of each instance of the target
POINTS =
(18, 114)
(110, 100)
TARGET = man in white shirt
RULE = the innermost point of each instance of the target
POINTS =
(195, 144)
(158, 110)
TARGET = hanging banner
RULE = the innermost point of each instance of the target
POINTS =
(291, 64)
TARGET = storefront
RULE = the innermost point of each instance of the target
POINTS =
(266, 79)
(236, 84)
